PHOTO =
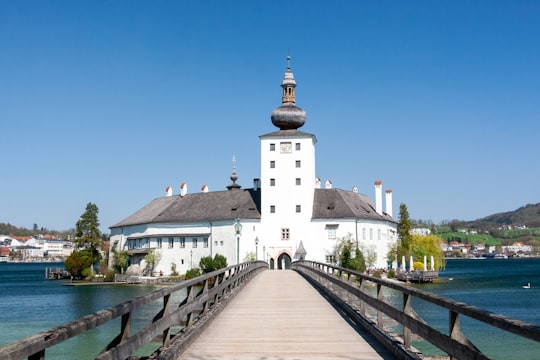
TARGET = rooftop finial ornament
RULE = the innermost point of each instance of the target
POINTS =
(234, 176)
(288, 116)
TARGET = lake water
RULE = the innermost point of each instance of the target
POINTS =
(495, 285)
(29, 304)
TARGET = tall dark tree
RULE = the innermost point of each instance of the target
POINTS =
(404, 231)
(88, 236)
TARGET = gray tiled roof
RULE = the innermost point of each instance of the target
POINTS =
(341, 204)
(289, 133)
(245, 204)
(211, 206)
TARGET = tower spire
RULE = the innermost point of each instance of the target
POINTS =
(234, 176)
(288, 116)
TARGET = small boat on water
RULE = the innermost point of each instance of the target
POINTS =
(528, 286)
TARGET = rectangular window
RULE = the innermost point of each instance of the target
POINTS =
(272, 182)
(182, 242)
(159, 243)
(272, 164)
(221, 243)
(194, 242)
(171, 243)
(370, 234)
(297, 146)
(285, 234)
(363, 233)
(330, 259)
(297, 163)
(272, 209)
(379, 234)
(298, 181)
(205, 242)
(272, 147)
(332, 229)
(298, 208)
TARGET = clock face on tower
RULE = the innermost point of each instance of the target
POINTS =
(285, 147)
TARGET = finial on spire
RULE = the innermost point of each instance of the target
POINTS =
(234, 176)
(289, 62)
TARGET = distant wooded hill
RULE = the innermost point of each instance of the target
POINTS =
(528, 215)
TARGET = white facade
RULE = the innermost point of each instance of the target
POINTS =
(287, 184)
(284, 211)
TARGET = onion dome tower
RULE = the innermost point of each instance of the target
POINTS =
(288, 116)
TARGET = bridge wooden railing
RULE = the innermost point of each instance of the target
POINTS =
(349, 290)
(216, 288)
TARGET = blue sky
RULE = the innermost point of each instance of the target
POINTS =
(111, 101)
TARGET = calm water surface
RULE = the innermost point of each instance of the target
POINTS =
(29, 304)
(495, 285)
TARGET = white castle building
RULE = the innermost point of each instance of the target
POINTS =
(286, 215)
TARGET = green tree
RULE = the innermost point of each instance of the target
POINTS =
(207, 264)
(152, 258)
(371, 256)
(120, 261)
(348, 258)
(88, 236)
(77, 262)
(404, 232)
(428, 246)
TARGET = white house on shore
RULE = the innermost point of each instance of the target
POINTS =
(286, 215)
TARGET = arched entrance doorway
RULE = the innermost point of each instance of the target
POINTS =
(272, 264)
(284, 261)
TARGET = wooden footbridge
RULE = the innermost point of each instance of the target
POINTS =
(317, 311)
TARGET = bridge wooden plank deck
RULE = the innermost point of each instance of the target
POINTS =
(279, 315)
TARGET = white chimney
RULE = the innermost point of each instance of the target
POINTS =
(317, 182)
(168, 191)
(355, 189)
(378, 196)
(183, 189)
(328, 184)
(204, 189)
(389, 202)
(256, 184)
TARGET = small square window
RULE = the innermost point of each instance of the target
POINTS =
(272, 147)
(272, 209)
(285, 234)
(272, 182)
(272, 164)
(298, 208)
(195, 242)
(297, 146)
(297, 163)
(298, 181)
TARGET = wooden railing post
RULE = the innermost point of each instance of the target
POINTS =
(380, 313)
(37, 356)
(166, 310)
(362, 304)
(189, 320)
(407, 310)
